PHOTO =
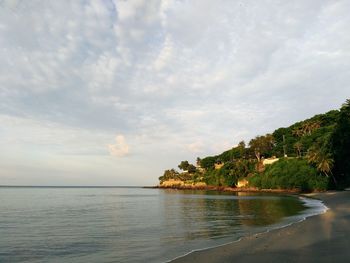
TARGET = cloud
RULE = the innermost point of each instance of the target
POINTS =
(173, 73)
(195, 147)
(164, 54)
(120, 148)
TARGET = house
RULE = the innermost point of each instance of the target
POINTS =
(218, 164)
(271, 160)
(172, 183)
(242, 183)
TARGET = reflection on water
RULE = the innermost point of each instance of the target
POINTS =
(129, 224)
(203, 214)
(262, 211)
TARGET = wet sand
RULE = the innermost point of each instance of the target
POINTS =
(321, 238)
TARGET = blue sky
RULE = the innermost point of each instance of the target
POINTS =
(114, 92)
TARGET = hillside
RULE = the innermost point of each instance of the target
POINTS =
(309, 155)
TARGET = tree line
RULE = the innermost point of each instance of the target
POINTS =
(314, 154)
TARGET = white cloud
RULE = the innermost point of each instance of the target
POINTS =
(164, 55)
(195, 147)
(174, 73)
(120, 148)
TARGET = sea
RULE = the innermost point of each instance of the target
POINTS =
(130, 224)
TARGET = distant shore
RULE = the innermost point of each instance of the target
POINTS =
(321, 238)
(226, 189)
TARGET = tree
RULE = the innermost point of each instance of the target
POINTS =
(298, 132)
(322, 160)
(287, 173)
(315, 125)
(208, 162)
(261, 145)
(325, 164)
(169, 174)
(312, 155)
(241, 148)
(307, 128)
(298, 146)
(284, 141)
(191, 169)
(241, 144)
(184, 165)
(340, 144)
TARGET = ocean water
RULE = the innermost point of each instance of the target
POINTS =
(47, 224)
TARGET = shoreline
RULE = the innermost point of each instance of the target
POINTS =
(318, 238)
(229, 189)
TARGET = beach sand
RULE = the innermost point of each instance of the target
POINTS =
(321, 238)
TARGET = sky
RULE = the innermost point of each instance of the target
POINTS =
(115, 92)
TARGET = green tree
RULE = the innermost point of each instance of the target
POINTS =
(298, 146)
(184, 165)
(191, 168)
(198, 161)
(325, 164)
(169, 174)
(306, 128)
(208, 162)
(241, 149)
(262, 145)
(322, 160)
(340, 143)
(290, 174)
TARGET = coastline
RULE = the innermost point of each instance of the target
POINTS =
(227, 189)
(319, 238)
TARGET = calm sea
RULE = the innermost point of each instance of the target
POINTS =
(47, 224)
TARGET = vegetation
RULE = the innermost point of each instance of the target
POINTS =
(262, 145)
(313, 154)
(340, 144)
(290, 174)
(187, 167)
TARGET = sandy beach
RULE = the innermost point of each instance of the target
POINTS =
(321, 238)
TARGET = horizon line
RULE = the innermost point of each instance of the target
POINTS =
(74, 186)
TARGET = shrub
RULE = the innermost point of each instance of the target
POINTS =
(290, 174)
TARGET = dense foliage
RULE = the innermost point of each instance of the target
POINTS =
(340, 143)
(290, 174)
(229, 173)
(314, 155)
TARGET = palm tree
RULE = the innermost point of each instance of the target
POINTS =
(298, 147)
(312, 155)
(298, 132)
(315, 125)
(307, 128)
(323, 162)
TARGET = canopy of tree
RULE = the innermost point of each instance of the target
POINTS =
(340, 145)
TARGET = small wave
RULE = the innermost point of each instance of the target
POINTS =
(314, 207)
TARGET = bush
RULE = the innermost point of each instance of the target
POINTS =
(290, 174)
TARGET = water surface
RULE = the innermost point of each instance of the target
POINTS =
(132, 224)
